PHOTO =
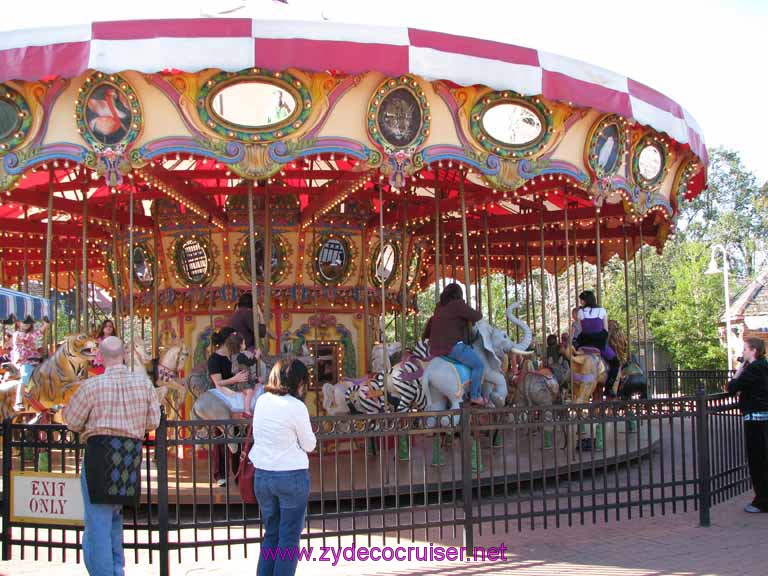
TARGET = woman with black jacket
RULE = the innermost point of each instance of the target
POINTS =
(751, 381)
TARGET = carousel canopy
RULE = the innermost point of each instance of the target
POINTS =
(235, 44)
(161, 126)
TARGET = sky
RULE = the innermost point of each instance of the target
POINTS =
(708, 55)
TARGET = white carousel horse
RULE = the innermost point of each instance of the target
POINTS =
(169, 369)
(166, 391)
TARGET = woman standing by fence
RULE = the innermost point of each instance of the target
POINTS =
(282, 437)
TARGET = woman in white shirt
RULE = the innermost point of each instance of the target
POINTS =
(282, 437)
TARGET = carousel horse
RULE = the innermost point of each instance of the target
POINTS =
(166, 391)
(590, 371)
(169, 370)
(54, 381)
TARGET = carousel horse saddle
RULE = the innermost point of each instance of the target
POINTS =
(588, 350)
(462, 369)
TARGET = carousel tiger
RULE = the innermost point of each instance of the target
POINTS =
(56, 380)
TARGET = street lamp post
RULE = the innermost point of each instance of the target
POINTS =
(713, 269)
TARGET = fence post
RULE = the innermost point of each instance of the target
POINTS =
(466, 475)
(702, 432)
(7, 459)
(670, 377)
(161, 453)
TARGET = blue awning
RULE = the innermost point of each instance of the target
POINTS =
(22, 305)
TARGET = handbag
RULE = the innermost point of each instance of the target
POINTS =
(112, 466)
(246, 470)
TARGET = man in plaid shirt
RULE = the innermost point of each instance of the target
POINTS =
(122, 403)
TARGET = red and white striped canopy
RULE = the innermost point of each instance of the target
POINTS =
(235, 44)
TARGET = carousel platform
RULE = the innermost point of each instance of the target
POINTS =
(349, 470)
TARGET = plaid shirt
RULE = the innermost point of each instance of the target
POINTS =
(117, 403)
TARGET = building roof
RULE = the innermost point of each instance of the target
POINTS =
(752, 302)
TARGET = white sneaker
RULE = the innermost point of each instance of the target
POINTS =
(750, 509)
(221, 482)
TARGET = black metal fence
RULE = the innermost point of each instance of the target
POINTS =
(437, 476)
(669, 382)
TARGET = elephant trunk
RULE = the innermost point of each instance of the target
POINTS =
(527, 336)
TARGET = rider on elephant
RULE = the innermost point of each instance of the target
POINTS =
(447, 329)
(593, 321)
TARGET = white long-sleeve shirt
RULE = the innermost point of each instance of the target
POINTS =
(282, 434)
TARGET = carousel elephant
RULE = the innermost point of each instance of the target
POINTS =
(444, 386)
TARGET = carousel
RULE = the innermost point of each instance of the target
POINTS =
(336, 172)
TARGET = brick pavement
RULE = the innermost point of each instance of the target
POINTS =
(673, 545)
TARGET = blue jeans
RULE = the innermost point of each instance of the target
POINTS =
(102, 536)
(467, 356)
(282, 500)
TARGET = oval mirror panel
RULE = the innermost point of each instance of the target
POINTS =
(649, 162)
(607, 148)
(9, 119)
(332, 260)
(400, 117)
(142, 266)
(253, 104)
(194, 260)
(512, 124)
(385, 263)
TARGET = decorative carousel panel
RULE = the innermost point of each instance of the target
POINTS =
(108, 111)
(650, 161)
(254, 105)
(333, 259)
(606, 146)
(510, 125)
(280, 257)
(194, 262)
(143, 265)
(398, 115)
(15, 119)
(384, 263)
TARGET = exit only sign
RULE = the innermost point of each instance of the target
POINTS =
(46, 498)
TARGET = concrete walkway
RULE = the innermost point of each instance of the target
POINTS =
(735, 545)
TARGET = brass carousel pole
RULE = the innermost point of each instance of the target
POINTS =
(557, 296)
(55, 319)
(156, 293)
(506, 300)
(637, 299)
(130, 270)
(642, 293)
(626, 275)
(568, 270)
(49, 253)
(437, 244)
(267, 266)
(543, 282)
(464, 239)
(25, 277)
(384, 354)
(118, 319)
(366, 302)
(576, 266)
(404, 276)
(252, 257)
(598, 258)
(517, 297)
(488, 296)
(527, 285)
(478, 282)
(84, 289)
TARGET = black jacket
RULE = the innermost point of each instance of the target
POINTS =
(753, 386)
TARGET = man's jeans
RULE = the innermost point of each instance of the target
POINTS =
(103, 536)
(467, 356)
(282, 499)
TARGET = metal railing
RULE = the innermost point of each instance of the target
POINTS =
(670, 383)
(428, 476)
